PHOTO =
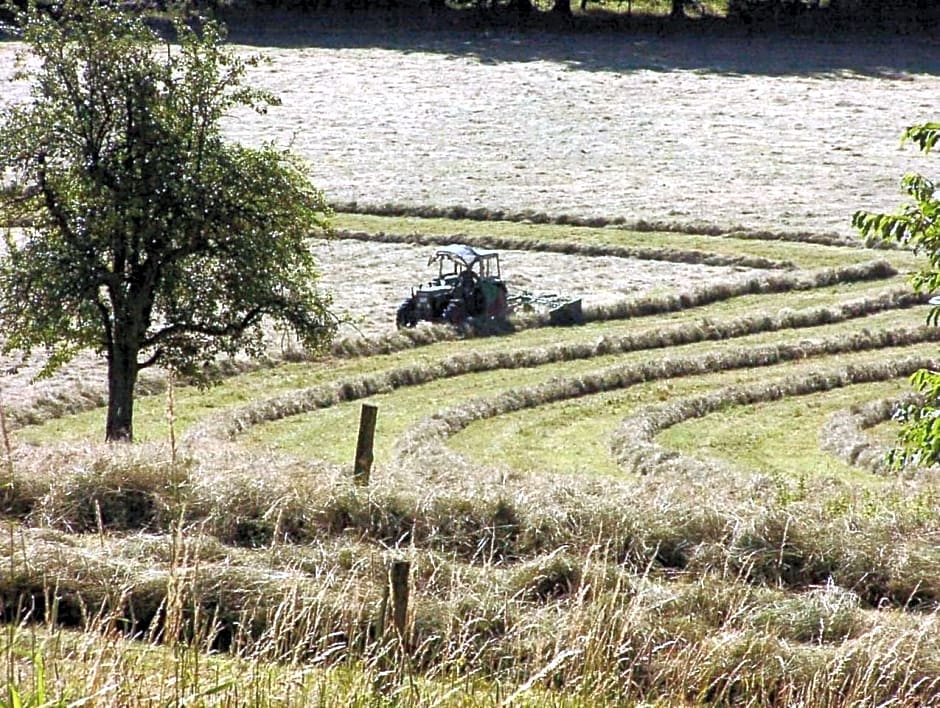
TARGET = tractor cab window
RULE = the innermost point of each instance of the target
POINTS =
(489, 267)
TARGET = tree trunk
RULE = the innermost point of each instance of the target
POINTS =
(122, 377)
(562, 9)
(678, 9)
(524, 10)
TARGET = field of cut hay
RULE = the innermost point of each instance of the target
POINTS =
(682, 501)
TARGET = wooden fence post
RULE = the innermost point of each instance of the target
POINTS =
(364, 455)
(398, 580)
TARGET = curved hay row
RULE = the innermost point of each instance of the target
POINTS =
(639, 225)
(83, 395)
(779, 282)
(57, 403)
(647, 305)
(572, 248)
(425, 441)
(844, 434)
(227, 424)
(633, 444)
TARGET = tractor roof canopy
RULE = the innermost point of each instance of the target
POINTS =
(464, 255)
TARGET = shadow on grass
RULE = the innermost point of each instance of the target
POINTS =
(708, 45)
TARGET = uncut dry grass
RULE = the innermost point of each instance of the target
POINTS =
(510, 576)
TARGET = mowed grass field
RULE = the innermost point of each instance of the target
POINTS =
(680, 502)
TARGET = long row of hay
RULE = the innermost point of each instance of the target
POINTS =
(775, 282)
(86, 397)
(671, 255)
(229, 423)
(83, 394)
(639, 225)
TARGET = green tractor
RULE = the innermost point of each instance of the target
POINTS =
(467, 286)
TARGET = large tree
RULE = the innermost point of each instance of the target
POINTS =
(149, 237)
(917, 226)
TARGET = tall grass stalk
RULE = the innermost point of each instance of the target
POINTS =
(171, 416)
(9, 484)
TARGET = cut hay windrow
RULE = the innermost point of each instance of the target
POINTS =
(633, 444)
(229, 423)
(56, 404)
(776, 282)
(644, 306)
(597, 222)
(572, 248)
(430, 434)
(78, 396)
(844, 433)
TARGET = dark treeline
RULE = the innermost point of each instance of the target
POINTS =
(809, 16)
(894, 16)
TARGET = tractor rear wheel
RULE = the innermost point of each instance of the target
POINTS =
(455, 312)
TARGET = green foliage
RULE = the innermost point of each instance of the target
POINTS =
(151, 239)
(15, 698)
(917, 226)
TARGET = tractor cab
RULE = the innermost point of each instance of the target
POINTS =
(468, 285)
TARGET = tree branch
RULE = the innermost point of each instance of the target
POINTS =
(51, 200)
(228, 330)
(153, 359)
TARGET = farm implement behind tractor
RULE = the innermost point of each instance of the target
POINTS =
(467, 286)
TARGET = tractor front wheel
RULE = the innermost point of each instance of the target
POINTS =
(406, 315)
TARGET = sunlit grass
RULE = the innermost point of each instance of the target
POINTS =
(779, 437)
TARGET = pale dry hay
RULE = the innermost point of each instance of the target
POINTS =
(776, 133)
(844, 433)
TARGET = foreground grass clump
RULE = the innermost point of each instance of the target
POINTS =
(252, 503)
(610, 592)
